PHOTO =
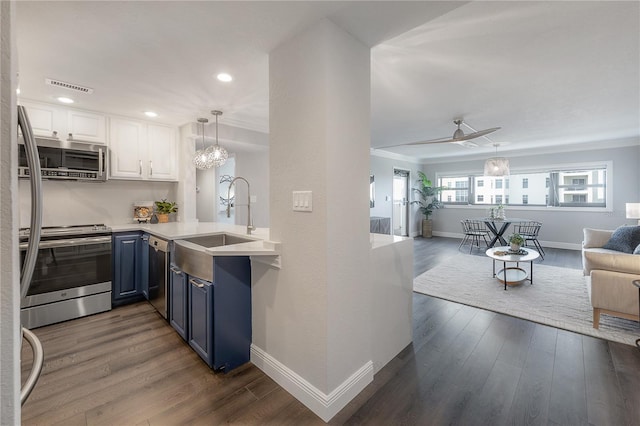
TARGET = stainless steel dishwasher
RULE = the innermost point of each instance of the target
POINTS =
(158, 273)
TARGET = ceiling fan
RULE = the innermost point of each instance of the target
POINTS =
(458, 136)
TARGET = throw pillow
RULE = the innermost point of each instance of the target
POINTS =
(637, 250)
(624, 239)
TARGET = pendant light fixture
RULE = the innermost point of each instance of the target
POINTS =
(496, 166)
(217, 154)
(201, 159)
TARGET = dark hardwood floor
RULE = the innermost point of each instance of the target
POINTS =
(465, 366)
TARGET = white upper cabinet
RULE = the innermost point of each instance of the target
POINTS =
(127, 143)
(162, 152)
(85, 126)
(49, 120)
(142, 151)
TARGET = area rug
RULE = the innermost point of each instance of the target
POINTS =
(558, 296)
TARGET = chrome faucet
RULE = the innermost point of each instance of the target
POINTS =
(250, 226)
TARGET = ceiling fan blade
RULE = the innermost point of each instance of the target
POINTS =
(444, 140)
(477, 134)
(447, 140)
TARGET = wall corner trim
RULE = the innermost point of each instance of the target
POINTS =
(323, 405)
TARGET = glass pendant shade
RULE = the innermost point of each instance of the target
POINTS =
(217, 155)
(496, 166)
(202, 160)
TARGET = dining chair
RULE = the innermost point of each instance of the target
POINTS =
(474, 230)
(529, 231)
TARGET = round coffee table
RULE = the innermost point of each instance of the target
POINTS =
(512, 275)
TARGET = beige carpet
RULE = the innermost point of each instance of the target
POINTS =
(558, 296)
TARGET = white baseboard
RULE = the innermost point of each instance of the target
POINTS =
(323, 405)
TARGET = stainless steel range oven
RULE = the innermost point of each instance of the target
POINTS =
(72, 276)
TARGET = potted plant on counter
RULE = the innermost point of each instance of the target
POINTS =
(164, 208)
(428, 202)
(516, 240)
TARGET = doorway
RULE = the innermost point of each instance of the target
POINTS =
(400, 214)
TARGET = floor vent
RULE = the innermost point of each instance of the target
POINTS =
(70, 86)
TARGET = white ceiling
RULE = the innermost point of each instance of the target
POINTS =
(548, 73)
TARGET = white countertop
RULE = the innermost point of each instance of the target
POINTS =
(180, 230)
(260, 247)
(381, 240)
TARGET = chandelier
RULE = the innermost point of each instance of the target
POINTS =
(201, 159)
(216, 154)
(496, 166)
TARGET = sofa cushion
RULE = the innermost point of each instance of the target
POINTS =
(595, 237)
(610, 260)
(624, 239)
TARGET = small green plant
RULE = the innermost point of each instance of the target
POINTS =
(516, 238)
(166, 207)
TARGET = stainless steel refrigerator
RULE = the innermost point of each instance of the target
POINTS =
(32, 248)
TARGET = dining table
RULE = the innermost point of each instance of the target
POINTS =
(498, 227)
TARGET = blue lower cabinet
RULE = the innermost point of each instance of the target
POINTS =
(178, 298)
(200, 324)
(219, 314)
(127, 268)
(231, 312)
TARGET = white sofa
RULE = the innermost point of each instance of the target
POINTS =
(610, 275)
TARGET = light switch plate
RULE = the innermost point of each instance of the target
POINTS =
(302, 201)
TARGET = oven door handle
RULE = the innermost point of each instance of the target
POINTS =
(83, 241)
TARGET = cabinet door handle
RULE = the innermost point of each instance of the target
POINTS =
(150, 168)
(176, 271)
(100, 162)
(140, 164)
(196, 283)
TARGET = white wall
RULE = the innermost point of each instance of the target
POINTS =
(9, 258)
(81, 203)
(253, 166)
(561, 227)
(312, 315)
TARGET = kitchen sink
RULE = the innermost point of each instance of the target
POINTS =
(217, 240)
(192, 259)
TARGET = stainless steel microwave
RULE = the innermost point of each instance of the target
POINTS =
(66, 160)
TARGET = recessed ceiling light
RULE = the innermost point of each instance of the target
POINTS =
(224, 77)
(65, 100)
(150, 114)
(18, 91)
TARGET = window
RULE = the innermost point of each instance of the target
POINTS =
(457, 191)
(559, 187)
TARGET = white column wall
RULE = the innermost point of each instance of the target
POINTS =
(9, 264)
(312, 315)
(348, 109)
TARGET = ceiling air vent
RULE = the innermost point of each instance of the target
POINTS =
(70, 86)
